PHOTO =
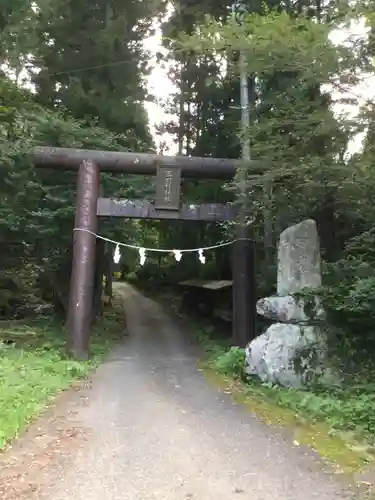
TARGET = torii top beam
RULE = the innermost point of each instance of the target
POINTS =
(139, 163)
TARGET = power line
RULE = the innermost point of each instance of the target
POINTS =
(87, 68)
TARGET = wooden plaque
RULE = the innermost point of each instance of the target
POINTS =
(168, 188)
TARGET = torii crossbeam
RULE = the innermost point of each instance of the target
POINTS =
(168, 171)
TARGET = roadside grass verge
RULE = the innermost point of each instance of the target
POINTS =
(338, 423)
(34, 367)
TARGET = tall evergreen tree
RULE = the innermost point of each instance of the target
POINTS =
(93, 63)
(212, 101)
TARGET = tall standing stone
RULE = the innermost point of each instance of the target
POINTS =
(298, 263)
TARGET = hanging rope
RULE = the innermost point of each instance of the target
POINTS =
(143, 250)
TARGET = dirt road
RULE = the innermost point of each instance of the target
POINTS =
(153, 429)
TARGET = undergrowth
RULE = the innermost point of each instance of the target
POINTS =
(34, 367)
(348, 408)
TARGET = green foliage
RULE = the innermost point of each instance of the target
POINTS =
(348, 297)
(33, 368)
(89, 67)
(347, 410)
(37, 208)
(95, 65)
(290, 61)
(231, 363)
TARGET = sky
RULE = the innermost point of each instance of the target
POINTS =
(161, 87)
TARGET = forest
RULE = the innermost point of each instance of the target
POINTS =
(74, 74)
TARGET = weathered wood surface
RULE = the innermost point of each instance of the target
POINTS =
(200, 297)
(243, 292)
(140, 163)
(83, 266)
(139, 209)
(210, 285)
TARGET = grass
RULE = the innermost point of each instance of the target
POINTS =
(338, 424)
(34, 367)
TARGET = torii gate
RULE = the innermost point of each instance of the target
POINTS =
(168, 171)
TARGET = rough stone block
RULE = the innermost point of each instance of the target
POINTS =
(288, 309)
(298, 265)
(283, 355)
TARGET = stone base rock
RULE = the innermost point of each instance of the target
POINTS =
(286, 354)
(292, 352)
(289, 310)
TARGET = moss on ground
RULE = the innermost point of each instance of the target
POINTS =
(341, 450)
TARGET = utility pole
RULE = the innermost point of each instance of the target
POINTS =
(181, 112)
(268, 229)
(245, 124)
(245, 119)
(244, 298)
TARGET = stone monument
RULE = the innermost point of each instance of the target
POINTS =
(291, 351)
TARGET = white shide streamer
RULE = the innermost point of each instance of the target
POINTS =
(143, 251)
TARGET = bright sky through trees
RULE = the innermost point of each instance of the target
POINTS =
(161, 87)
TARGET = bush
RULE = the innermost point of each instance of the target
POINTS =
(348, 296)
(231, 363)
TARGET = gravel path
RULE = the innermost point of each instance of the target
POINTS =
(156, 430)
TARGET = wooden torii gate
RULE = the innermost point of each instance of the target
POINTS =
(168, 171)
